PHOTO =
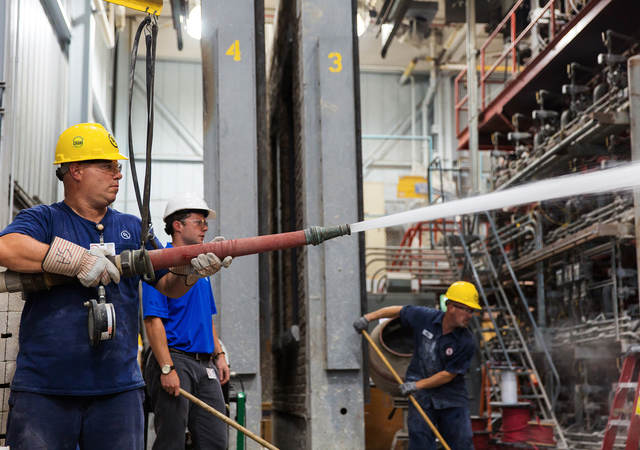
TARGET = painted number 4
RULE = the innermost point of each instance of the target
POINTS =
(336, 59)
(234, 50)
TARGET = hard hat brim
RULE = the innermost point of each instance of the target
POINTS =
(477, 307)
(111, 157)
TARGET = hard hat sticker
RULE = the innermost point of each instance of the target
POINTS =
(113, 141)
(78, 141)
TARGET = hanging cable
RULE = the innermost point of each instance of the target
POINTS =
(150, 27)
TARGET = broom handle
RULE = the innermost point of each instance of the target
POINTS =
(226, 420)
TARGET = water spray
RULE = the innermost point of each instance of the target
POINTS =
(615, 179)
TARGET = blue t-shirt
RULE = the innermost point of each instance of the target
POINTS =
(434, 353)
(55, 355)
(187, 320)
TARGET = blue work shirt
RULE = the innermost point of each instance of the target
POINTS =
(434, 353)
(187, 320)
(55, 355)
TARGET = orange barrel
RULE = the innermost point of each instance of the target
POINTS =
(396, 344)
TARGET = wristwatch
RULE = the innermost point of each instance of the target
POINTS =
(166, 369)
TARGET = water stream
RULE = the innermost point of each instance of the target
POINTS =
(619, 178)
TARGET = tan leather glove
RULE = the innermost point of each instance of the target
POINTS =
(91, 267)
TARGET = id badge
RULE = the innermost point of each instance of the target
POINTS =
(110, 247)
(211, 373)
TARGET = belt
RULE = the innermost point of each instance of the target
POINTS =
(195, 355)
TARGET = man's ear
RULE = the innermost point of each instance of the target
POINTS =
(75, 170)
(177, 226)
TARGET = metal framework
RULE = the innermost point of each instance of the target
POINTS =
(568, 35)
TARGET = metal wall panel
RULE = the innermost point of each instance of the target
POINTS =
(386, 111)
(35, 104)
(102, 79)
(177, 141)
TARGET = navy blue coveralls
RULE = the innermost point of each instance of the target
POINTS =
(447, 405)
(66, 393)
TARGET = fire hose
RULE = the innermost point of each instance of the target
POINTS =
(144, 262)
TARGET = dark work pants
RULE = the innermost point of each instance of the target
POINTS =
(173, 415)
(454, 424)
(38, 421)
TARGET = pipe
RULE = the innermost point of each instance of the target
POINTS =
(411, 397)
(414, 156)
(138, 262)
(226, 420)
(103, 21)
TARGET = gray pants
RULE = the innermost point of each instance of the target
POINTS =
(173, 415)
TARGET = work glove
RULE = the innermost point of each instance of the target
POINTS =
(90, 266)
(408, 388)
(361, 324)
(203, 265)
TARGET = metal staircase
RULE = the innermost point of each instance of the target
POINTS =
(503, 345)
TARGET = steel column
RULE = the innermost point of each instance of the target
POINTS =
(81, 61)
(472, 95)
(5, 213)
(59, 20)
(634, 113)
(331, 196)
(230, 179)
(120, 122)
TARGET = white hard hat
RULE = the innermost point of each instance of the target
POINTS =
(187, 201)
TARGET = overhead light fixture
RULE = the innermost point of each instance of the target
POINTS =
(194, 22)
(385, 31)
(361, 24)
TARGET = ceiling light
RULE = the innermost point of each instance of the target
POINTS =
(361, 25)
(385, 31)
(194, 22)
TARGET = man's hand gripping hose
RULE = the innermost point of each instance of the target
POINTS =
(91, 267)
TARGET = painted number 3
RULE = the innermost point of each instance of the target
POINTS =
(336, 59)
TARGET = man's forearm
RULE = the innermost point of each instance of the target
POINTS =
(158, 340)
(388, 312)
(216, 342)
(22, 253)
(172, 285)
(438, 379)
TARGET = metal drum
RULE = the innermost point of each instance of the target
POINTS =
(396, 344)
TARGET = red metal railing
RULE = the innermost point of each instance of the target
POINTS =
(510, 18)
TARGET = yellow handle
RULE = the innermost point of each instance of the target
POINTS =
(226, 420)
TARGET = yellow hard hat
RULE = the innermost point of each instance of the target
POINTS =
(84, 142)
(465, 293)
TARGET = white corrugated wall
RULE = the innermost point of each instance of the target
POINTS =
(36, 99)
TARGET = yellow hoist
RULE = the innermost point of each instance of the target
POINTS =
(149, 6)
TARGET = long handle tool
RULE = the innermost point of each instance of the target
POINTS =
(411, 397)
(226, 420)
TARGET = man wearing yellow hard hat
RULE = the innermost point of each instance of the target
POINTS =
(72, 387)
(443, 348)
